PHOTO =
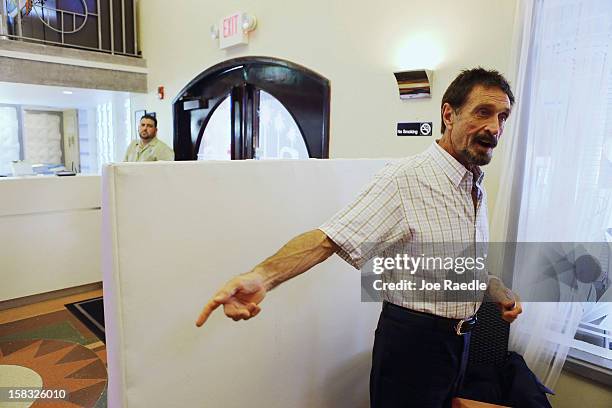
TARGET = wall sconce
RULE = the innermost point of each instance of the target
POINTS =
(249, 23)
(414, 84)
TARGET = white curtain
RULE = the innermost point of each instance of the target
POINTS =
(9, 138)
(553, 188)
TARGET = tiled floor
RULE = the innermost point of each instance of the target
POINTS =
(45, 345)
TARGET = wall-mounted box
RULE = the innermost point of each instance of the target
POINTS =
(414, 84)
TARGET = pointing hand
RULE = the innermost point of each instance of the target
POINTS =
(240, 298)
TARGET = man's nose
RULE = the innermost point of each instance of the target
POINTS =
(493, 127)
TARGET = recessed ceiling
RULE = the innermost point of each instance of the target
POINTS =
(55, 96)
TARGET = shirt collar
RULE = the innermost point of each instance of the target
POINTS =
(454, 170)
(152, 143)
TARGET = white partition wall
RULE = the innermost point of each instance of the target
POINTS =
(174, 232)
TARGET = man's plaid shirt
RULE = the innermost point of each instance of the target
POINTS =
(423, 199)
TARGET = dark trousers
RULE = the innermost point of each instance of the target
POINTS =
(416, 361)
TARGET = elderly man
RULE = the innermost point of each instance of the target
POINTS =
(421, 342)
(148, 147)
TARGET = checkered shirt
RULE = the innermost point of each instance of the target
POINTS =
(422, 199)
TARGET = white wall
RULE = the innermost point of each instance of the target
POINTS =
(356, 44)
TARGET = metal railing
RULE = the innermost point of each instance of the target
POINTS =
(43, 22)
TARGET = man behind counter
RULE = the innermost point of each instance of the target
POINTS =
(148, 147)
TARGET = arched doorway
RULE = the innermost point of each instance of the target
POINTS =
(253, 107)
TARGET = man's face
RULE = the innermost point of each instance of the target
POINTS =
(475, 128)
(147, 129)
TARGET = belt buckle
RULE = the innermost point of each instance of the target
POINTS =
(459, 325)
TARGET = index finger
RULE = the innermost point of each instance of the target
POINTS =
(208, 309)
(221, 297)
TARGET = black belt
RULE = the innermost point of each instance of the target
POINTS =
(457, 326)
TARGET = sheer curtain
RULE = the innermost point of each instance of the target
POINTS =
(9, 138)
(552, 189)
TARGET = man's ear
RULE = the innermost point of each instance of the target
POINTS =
(448, 115)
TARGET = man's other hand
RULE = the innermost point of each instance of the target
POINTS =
(510, 309)
(509, 302)
(240, 298)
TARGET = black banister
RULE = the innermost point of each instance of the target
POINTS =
(107, 26)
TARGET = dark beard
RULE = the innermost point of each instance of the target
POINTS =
(475, 159)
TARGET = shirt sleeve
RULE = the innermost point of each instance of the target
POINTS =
(127, 152)
(165, 154)
(370, 224)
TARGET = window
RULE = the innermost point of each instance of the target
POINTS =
(567, 190)
(9, 138)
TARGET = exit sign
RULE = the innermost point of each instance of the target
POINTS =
(230, 31)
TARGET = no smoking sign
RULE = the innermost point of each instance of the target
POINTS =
(414, 129)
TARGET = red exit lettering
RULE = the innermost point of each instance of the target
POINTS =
(230, 26)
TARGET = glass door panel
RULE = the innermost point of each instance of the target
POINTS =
(216, 141)
(279, 135)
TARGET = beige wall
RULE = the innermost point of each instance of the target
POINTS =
(356, 46)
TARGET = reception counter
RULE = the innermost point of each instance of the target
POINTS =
(50, 234)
